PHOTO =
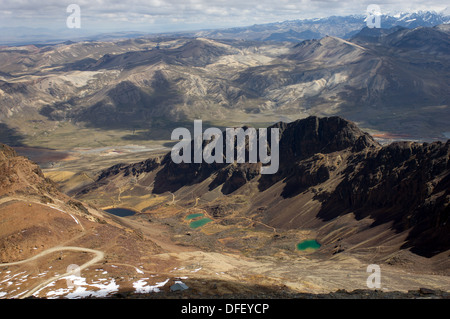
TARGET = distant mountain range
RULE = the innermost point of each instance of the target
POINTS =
(339, 26)
(292, 30)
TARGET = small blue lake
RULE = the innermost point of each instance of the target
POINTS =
(121, 212)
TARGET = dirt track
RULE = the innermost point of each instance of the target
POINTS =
(99, 255)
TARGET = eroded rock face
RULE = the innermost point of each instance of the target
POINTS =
(405, 183)
(299, 141)
(304, 144)
(134, 169)
(6, 152)
(304, 138)
(20, 177)
(235, 176)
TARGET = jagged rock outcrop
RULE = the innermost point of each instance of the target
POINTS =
(405, 183)
(309, 137)
(329, 168)
(19, 175)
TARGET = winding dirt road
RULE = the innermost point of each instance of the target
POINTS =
(99, 255)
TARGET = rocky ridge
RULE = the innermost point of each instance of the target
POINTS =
(330, 162)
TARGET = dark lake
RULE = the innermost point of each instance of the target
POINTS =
(121, 212)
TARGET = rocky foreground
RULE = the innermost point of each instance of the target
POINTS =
(422, 293)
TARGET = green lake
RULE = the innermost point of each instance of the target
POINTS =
(200, 222)
(308, 244)
(192, 216)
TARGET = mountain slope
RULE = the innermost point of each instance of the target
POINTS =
(394, 81)
(334, 180)
(43, 232)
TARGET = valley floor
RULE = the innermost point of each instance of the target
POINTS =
(168, 251)
(208, 274)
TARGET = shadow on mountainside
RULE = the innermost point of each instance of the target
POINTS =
(10, 136)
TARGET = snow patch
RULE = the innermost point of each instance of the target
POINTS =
(82, 289)
(141, 286)
(138, 270)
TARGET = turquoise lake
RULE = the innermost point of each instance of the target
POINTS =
(192, 216)
(308, 244)
(200, 222)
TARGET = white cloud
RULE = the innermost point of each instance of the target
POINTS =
(161, 15)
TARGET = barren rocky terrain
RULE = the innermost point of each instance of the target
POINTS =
(364, 167)
(247, 247)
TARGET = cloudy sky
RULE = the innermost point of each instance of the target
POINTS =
(175, 15)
